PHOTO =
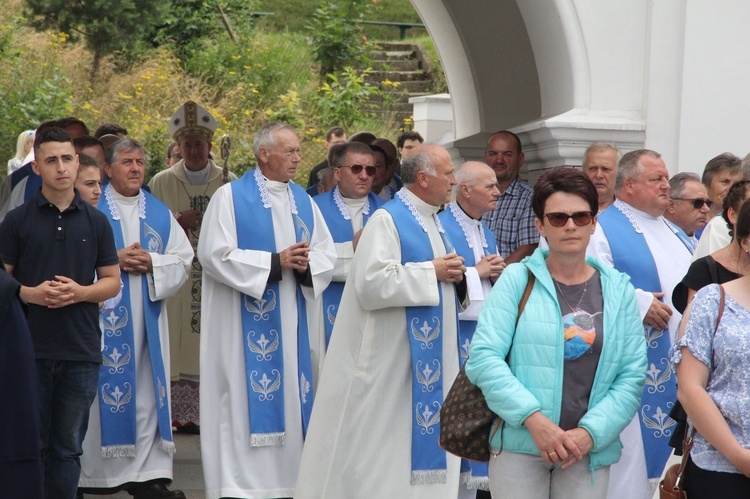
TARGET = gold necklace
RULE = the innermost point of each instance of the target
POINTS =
(578, 307)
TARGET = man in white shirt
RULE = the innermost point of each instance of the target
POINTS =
(129, 444)
(346, 208)
(634, 237)
(393, 354)
(267, 255)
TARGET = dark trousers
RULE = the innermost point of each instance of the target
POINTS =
(704, 484)
(66, 392)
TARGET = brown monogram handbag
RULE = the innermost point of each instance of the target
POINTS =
(466, 422)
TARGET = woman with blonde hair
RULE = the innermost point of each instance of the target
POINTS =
(23, 146)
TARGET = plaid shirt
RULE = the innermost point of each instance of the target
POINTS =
(512, 220)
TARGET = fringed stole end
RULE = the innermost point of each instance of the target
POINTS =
(266, 439)
(167, 446)
(475, 482)
(427, 477)
(111, 451)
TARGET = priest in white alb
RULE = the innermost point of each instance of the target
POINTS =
(633, 236)
(266, 255)
(346, 208)
(393, 353)
(476, 193)
(129, 443)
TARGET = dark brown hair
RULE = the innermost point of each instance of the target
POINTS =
(563, 179)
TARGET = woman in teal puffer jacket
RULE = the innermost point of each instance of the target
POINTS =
(577, 364)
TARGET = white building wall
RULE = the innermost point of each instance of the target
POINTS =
(715, 100)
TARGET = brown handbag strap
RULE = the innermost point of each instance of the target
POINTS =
(525, 296)
(521, 307)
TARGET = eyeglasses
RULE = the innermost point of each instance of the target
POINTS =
(697, 202)
(580, 218)
(357, 169)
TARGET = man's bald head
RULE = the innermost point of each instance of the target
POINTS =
(470, 171)
(476, 188)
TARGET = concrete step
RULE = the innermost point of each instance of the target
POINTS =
(399, 55)
(419, 86)
(398, 65)
(395, 46)
(397, 97)
(400, 76)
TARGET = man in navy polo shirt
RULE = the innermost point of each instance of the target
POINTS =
(55, 245)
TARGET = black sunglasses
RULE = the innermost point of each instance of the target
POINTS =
(697, 202)
(580, 218)
(357, 169)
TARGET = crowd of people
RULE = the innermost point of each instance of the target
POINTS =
(310, 335)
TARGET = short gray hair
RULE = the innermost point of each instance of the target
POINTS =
(325, 174)
(630, 167)
(677, 183)
(601, 146)
(724, 161)
(265, 136)
(121, 146)
(419, 162)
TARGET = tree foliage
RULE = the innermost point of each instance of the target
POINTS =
(337, 37)
(106, 26)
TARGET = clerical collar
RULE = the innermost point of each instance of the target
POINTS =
(199, 177)
(622, 205)
(342, 203)
(418, 207)
(464, 220)
(464, 212)
(113, 198)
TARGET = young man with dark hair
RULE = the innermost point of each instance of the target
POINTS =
(54, 246)
(23, 183)
(334, 135)
(408, 141)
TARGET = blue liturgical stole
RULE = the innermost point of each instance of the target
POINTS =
(632, 256)
(340, 226)
(117, 375)
(457, 234)
(261, 317)
(424, 328)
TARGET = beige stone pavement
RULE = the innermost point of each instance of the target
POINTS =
(188, 473)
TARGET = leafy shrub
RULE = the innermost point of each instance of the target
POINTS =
(337, 37)
(33, 87)
(343, 99)
(188, 22)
